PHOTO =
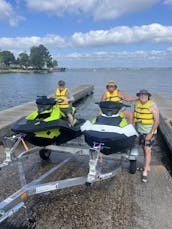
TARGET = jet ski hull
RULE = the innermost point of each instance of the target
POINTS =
(64, 137)
(29, 128)
(110, 129)
(113, 142)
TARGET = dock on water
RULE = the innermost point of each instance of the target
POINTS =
(9, 116)
(165, 106)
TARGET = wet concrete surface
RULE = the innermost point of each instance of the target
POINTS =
(106, 204)
(121, 202)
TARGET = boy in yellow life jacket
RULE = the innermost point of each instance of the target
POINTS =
(62, 93)
(113, 94)
(146, 118)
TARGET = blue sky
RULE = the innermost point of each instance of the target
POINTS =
(91, 33)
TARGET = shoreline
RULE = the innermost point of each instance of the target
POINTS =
(31, 70)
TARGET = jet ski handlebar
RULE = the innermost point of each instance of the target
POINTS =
(110, 108)
(59, 100)
(111, 104)
(44, 100)
(126, 105)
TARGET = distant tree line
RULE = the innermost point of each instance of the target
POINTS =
(39, 58)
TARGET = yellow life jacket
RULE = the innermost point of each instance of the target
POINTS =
(142, 113)
(62, 95)
(113, 96)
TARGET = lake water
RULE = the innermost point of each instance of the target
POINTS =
(18, 88)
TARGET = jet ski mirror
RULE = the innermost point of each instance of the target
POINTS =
(110, 108)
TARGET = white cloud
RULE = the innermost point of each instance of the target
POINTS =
(104, 9)
(169, 49)
(7, 13)
(168, 2)
(27, 42)
(154, 33)
(139, 58)
(59, 7)
(109, 9)
(152, 54)
(124, 35)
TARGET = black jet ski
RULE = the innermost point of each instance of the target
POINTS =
(47, 125)
(110, 130)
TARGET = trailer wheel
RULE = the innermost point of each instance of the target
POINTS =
(88, 184)
(133, 166)
(45, 154)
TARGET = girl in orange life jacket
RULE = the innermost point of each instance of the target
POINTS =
(113, 94)
(63, 94)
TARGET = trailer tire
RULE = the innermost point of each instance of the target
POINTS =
(45, 154)
(88, 184)
(133, 166)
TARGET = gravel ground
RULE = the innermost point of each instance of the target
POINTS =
(107, 204)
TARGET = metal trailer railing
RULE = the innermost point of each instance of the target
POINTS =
(17, 200)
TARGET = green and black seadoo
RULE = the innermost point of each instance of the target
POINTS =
(47, 125)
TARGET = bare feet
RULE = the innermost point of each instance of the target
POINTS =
(145, 173)
(149, 169)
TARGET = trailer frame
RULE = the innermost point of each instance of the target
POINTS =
(16, 201)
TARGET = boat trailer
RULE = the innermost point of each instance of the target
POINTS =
(17, 200)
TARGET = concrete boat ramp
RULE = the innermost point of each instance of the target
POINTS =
(153, 200)
(122, 202)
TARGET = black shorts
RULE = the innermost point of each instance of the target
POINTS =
(66, 110)
(143, 142)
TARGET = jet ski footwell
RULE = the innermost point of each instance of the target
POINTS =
(17, 200)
